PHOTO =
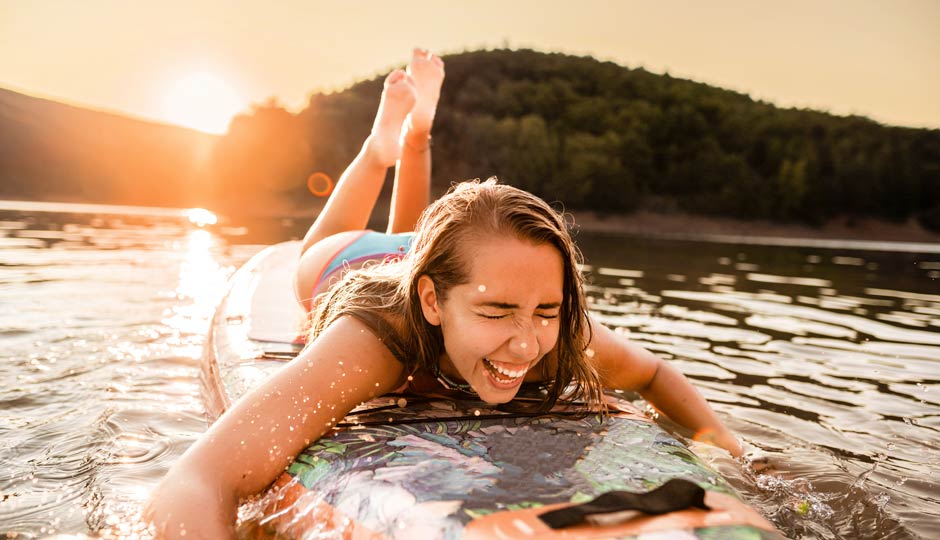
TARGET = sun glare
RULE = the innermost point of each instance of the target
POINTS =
(202, 101)
(201, 217)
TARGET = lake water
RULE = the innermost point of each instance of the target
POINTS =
(823, 359)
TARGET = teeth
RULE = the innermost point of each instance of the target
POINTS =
(512, 374)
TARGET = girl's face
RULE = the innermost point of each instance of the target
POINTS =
(503, 322)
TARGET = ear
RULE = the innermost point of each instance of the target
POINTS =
(428, 297)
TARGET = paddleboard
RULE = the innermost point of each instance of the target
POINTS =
(415, 467)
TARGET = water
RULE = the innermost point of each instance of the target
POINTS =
(823, 360)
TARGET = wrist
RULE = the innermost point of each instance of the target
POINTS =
(730, 443)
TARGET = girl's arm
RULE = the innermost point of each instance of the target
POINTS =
(253, 442)
(628, 366)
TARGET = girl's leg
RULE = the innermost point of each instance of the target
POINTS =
(351, 202)
(412, 189)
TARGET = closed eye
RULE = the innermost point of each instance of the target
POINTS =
(498, 317)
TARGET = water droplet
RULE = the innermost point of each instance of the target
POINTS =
(402, 402)
(481, 288)
(544, 322)
(476, 412)
(589, 353)
(524, 345)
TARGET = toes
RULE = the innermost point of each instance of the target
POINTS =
(398, 79)
(394, 77)
(407, 79)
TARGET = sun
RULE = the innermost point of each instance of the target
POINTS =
(202, 101)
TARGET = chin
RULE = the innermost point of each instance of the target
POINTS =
(494, 396)
(497, 400)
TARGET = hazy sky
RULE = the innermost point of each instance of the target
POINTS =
(879, 59)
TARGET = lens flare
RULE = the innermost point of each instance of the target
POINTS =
(320, 184)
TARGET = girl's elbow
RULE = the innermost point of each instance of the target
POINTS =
(647, 382)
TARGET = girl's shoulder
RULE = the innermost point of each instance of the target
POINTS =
(388, 328)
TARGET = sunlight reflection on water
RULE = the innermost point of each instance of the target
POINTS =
(825, 362)
(103, 345)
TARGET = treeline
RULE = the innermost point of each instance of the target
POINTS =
(593, 135)
(599, 136)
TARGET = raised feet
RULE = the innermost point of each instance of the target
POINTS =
(427, 71)
(398, 98)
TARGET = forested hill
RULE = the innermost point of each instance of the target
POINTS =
(50, 151)
(599, 136)
(596, 135)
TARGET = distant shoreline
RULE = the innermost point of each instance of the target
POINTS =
(841, 233)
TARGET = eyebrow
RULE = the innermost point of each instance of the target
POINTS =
(506, 305)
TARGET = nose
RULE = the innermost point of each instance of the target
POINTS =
(524, 344)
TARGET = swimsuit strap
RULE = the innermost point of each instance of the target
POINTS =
(389, 337)
(385, 332)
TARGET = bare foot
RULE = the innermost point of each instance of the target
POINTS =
(398, 98)
(427, 70)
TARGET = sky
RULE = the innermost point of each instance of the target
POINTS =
(198, 62)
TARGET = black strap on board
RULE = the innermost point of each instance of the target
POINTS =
(676, 494)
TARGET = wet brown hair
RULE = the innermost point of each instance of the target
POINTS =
(471, 211)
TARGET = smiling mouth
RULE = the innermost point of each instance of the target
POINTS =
(502, 374)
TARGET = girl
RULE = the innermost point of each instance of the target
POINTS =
(487, 298)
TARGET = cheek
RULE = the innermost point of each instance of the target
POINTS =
(548, 336)
(463, 338)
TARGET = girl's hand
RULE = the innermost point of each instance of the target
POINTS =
(758, 460)
(187, 509)
(721, 438)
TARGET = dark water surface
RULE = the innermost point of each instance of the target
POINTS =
(824, 360)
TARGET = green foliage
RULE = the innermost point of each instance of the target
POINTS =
(598, 136)
(593, 135)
